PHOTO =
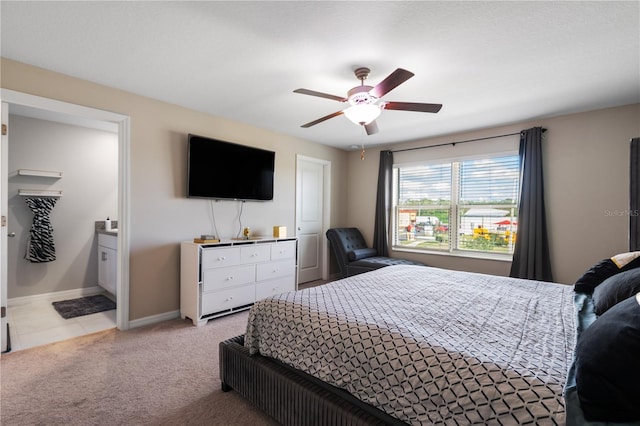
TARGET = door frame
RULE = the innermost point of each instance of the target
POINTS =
(81, 113)
(4, 149)
(326, 207)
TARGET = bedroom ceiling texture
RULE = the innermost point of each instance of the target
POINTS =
(488, 63)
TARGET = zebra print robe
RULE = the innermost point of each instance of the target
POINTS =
(40, 247)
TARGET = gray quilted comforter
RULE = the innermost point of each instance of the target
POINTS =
(429, 345)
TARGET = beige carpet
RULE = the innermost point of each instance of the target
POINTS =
(166, 374)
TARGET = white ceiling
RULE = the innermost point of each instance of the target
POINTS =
(488, 63)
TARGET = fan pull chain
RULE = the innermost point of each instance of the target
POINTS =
(362, 134)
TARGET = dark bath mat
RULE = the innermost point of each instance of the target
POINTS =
(83, 306)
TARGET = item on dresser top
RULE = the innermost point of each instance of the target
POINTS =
(206, 240)
(279, 232)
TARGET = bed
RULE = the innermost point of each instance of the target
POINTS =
(408, 345)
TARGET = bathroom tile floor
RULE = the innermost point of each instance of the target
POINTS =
(37, 323)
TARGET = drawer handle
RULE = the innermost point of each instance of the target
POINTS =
(230, 278)
(222, 258)
(276, 269)
(229, 299)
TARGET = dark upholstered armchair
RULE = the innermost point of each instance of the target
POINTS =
(353, 255)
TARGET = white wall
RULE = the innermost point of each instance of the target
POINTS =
(88, 160)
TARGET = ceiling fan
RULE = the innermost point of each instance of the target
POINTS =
(363, 100)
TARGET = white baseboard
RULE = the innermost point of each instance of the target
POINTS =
(58, 295)
(154, 319)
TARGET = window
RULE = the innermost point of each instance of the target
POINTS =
(456, 206)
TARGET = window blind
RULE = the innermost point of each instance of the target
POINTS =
(492, 180)
(430, 184)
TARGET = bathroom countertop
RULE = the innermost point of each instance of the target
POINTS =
(99, 227)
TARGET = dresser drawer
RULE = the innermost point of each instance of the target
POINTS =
(218, 278)
(286, 250)
(273, 270)
(255, 253)
(227, 299)
(273, 287)
(220, 257)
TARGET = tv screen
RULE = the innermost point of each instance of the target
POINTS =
(225, 170)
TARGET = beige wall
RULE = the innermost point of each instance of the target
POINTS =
(161, 216)
(586, 174)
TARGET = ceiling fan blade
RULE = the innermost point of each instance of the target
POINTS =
(320, 94)
(371, 128)
(320, 120)
(394, 79)
(412, 106)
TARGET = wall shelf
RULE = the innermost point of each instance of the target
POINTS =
(41, 173)
(40, 193)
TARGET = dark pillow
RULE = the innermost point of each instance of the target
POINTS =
(606, 360)
(601, 271)
(615, 289)
(362, 253)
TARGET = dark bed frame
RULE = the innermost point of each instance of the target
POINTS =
(290, 396)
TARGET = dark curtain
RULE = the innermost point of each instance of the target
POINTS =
(531, 258)
(634, 196)
(383, 204)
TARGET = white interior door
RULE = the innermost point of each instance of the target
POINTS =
(311, 192)
(4, 109)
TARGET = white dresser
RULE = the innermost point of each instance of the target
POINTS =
(223, 278)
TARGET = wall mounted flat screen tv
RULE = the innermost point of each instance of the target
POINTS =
(228, 171)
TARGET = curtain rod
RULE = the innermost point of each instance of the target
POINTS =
(454, 143)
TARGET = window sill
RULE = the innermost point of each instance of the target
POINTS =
(461, 254)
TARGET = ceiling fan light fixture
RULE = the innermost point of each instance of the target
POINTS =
(361, 95)
(362, 114)
(365, 101)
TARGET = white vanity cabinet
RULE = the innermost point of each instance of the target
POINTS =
(226, 277)
(108, 262)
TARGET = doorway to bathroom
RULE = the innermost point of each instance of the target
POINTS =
(87, 150)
